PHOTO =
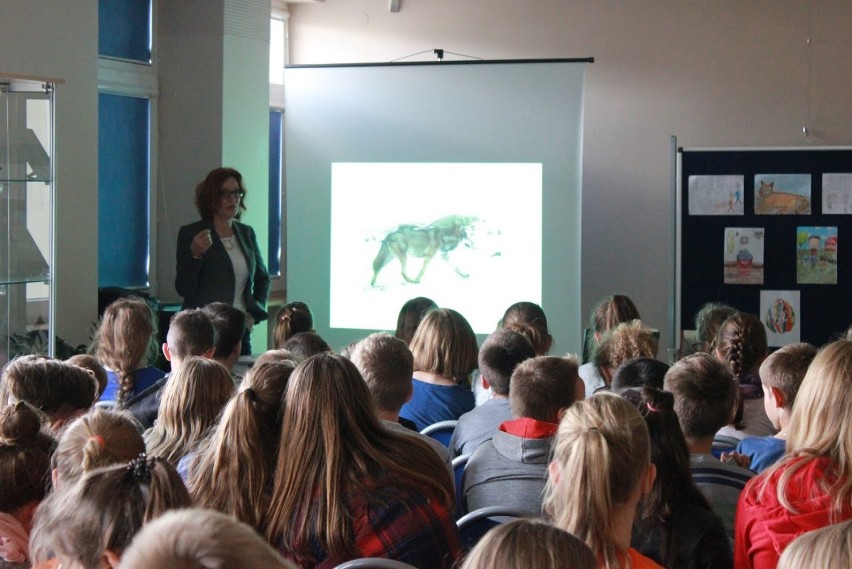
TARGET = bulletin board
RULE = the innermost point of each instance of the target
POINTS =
(769, 232)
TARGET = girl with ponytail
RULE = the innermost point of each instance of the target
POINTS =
(292, 318)
(601, 469)
(529, 320)
(232, 470)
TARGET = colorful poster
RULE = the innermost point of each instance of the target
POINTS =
(780, 311)
(782, 194)
(816, 255)
(836, 194)
(716, 195)
(744, 255)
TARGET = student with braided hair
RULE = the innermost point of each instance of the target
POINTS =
(126, 345)
(89, 524)
(741, 345)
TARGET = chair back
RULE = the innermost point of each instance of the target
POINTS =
(442, 431)
(476, 524)
(374, 563)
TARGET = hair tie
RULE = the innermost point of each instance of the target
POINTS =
(250, 393)
(98, 439)
(140, 468)
(651, 408)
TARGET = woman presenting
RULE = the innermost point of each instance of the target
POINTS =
(218, 259)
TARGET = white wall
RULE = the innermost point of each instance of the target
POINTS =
(725, 73)
(59, 39)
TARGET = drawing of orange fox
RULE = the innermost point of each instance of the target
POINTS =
(779, 203)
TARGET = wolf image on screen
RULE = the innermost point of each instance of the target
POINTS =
(425, 242)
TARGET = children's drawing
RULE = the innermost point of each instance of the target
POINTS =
(781, 314)
(744, 255)
(816, 255)
(836, 194)
(716, 195)
(782, 194)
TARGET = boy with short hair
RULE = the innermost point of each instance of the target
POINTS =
(510, 469)
(501, 352)
(705, 400)
(387, 366)
(781, 374)
(191, 333)
(230, 325)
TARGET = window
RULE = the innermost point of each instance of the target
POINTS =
(124, 29)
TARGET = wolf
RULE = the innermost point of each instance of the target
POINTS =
(424, 242)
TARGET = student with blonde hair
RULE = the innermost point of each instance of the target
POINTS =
(126, 345)
(98, 438)
(529, 543)
(192, 401)
(811, 486)
(200, 539)
(346, 487)
(88, 524)
(232, 469)
(600, 471)
(24, 479)
(445, 354)
(606, 315)
(828, 547)
(293, 318)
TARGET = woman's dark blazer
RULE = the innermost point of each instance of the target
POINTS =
(211, 278)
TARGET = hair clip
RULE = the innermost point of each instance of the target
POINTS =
(98, 439)
(140, 468)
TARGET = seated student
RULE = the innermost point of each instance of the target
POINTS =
(230, 325)
(293, 318)
(61, 391)
(741, 344)
(501, 352)
(640, 372)
(346, 487)
(676, 527)
(606, 315)
(98, 438)
(705, 395)
(830, 546)
(445, 352)
(811, 485)
(125, 344)
(529, 543)
(708, 320)
(231, 470)
(386, 364)
(511, 468)
(24, 479)
(200, 539)
(781, 374)
(410, 315)
(191, 333)
(90, 523)
(627, 341)
(529, 320)
(600, 472)
(92, 364)
(304, 345)
(192, 400)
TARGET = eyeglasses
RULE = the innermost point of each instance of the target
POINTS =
(238, 194)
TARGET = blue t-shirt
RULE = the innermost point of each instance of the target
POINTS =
(763, 451)
(142, 380)
(432, 403)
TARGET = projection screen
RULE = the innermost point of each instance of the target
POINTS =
(459, 181)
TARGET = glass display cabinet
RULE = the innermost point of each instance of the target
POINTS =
(26, 216)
